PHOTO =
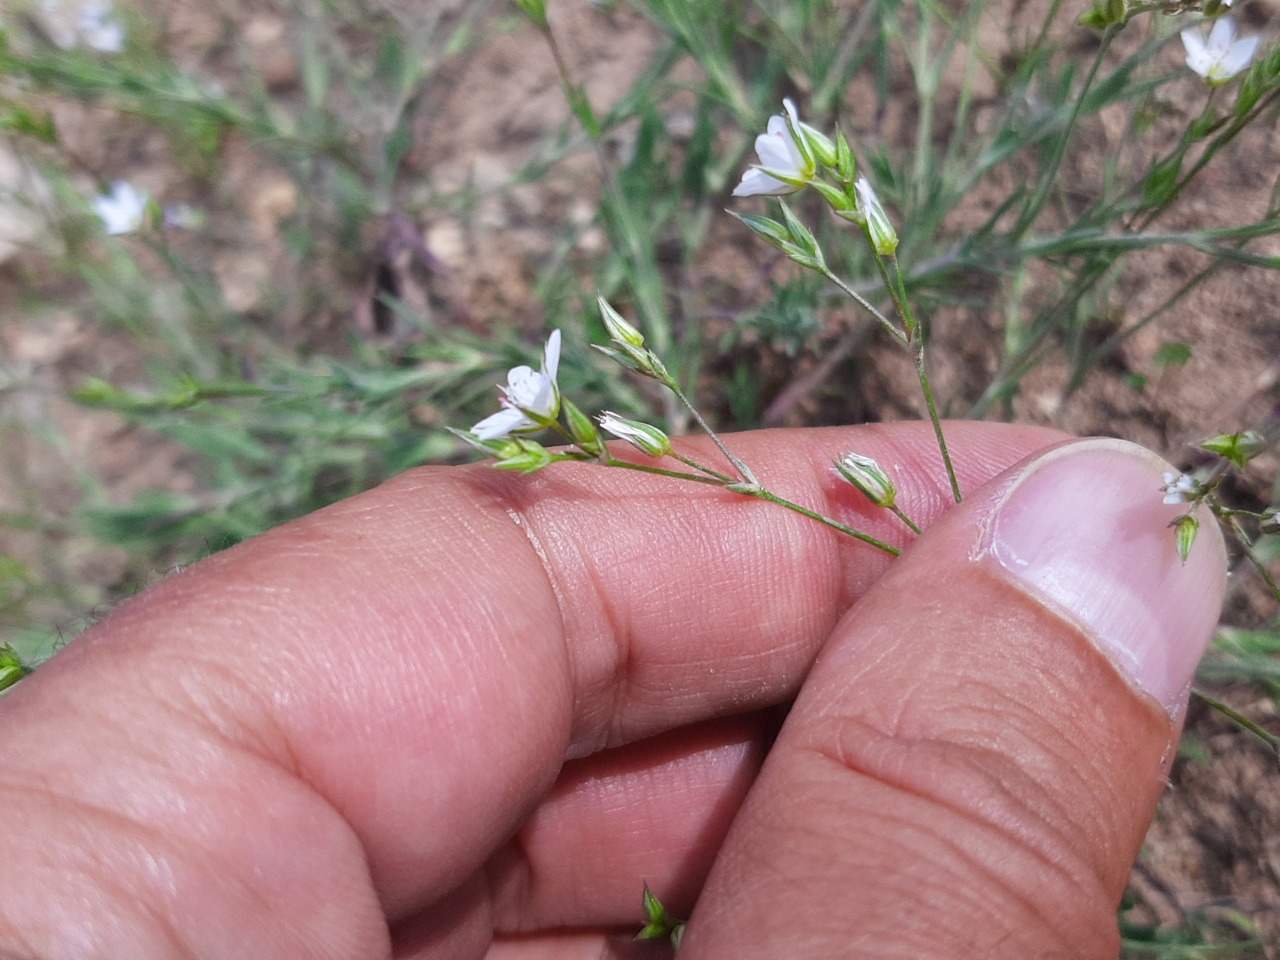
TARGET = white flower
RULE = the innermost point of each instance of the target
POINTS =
(89, 23)
(781, 154)
(530, 400)
(1222, 56)
(1177, 487)
(123, 209)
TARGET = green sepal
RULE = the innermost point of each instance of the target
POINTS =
(824, 150)
(1185, 529)
(804, 240)
(1238, 448)
(530, 457)
(619, 330)
(846, 164)
(500, 448)
(659, 923)
(12, 669)
(581, 427)
(837, 198)
(768, 230)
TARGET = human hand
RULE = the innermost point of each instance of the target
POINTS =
(468, 714)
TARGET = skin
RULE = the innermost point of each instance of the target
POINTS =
(467, 714)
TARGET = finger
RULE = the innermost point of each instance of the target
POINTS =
(653, 813)
(392, 683)
(977, 754)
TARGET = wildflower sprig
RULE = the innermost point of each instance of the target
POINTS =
(532, 402)
(794, 155)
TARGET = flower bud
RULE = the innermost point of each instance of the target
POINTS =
(1239, 448)
(822, 147)
(643, 436)
(12, 669)
(581, 428)
(869, 477)
(884, 240)
(1185, 529)
(620, 332)
(1269, 522)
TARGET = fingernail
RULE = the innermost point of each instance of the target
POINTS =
(1084, 528)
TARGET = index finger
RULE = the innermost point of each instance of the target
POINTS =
(425, 656)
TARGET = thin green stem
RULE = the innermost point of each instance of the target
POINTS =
(866, 304)
(897, 512)
(743, 470)
(761, 494)
(659, 471)
(1236, 717)
(690, 462)
(753, 489)
(927, 390)
(1049, 172)
(897, 287)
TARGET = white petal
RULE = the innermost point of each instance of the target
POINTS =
(1220, 37)
(551, 356)
(1194, 43)
(757, 183)
(789, 105)
(524, 386)
(500, 424)
(775, 148)
(1238, 57)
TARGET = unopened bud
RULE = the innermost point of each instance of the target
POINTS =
(1269, 522)
(1239, 448)
(620, 332)
(884, 240)
(1185, 529)
(643, 436)
(869, 477)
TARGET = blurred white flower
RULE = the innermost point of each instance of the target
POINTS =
(1177, 487)
(1221, 56)
(780, 154)
(123, 209)
(530, 400)
(87, 23)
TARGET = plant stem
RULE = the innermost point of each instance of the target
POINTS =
(896, 285)
(743, 470)
(897, 512)
(762, 494)
(866, 304)
(1266, 736)
(753, 489)
(690, 462)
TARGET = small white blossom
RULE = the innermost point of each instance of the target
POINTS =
(781, 154)
(1177, 487)
(1221, 56)
(87, 23)
(123, 209)
(530, 400)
